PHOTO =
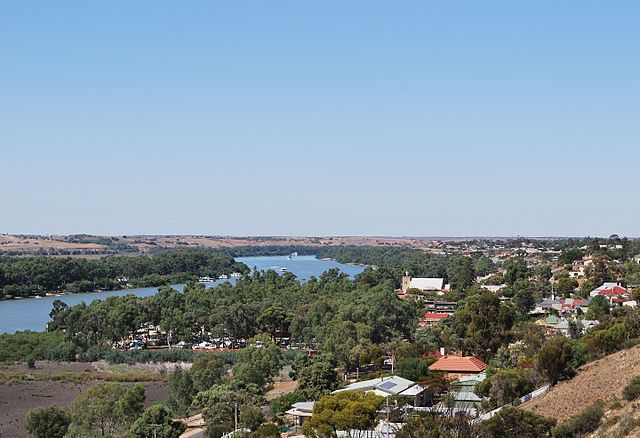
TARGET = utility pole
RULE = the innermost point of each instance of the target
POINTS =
(235, 416)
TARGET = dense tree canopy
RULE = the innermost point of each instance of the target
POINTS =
(28, 276)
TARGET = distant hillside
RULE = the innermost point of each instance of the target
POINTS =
(597, 380)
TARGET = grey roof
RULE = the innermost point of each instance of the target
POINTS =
(392, 385)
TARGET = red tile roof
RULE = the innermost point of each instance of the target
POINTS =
(459, 364)
(615, 290)
(435, 316)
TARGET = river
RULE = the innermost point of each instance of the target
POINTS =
(33, 313)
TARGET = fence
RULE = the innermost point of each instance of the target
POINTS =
(537, 393)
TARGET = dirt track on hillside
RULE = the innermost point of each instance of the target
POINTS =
(595, 381)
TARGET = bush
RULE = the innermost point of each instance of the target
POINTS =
(62, 352)
(49, 422)
(632, 390)
(580, 424)
(21, 346)
(514, 422)
(413, 369)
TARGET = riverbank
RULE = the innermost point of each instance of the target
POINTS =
(33, 313)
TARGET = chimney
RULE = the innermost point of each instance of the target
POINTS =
(442, 353)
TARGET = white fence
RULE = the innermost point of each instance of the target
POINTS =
(537, 393)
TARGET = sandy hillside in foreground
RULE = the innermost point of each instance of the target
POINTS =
(595, 381)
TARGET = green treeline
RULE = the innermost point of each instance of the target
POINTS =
(29, 276)
(341, 316)
(393, 262)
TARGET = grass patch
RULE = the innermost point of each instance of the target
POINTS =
(81, 376)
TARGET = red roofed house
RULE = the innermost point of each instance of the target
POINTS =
(431, 318)
(458, 366)
(609, 290)
(614, 293)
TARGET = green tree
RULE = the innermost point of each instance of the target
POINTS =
(413, 369)
(269, 430)
(105, 408)
(222, 405)
(48, 422)
(523, 299)
(275, 320)
(514, 422)
(566, 286)
(555, 357)
(598, 307)
(318, 379)
(516, 270)
(343, 411)
(206, 371)
(258, 365)
(156, 422)
(181, 391)
(440, 426)
(507, 385)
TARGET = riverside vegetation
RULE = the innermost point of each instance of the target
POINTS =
(351, 324)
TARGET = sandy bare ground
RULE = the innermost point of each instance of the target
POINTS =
(595, 381)
(18, 397)
(38, 244)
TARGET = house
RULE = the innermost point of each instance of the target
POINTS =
(615, 294)
(554, 324)
(493, 287)
(441, 306)
(577, 273)
(549, 323)
(301, 411)
(431, 318)
(391, 386)
(562, 306)
(609, 289)
(572, 305)
(463, 392)
(458, 366)
(545, 305)
(424, 284)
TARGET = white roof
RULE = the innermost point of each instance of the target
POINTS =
(426, 283)
(301, 409)
(384, 386)
(414, 390)
(493, 287)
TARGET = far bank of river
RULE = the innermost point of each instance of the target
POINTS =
(33, 313)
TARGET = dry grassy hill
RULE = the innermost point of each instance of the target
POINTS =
(598, 380)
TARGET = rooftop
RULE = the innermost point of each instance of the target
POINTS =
(463, 364)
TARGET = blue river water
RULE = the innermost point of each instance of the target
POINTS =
(33, 313)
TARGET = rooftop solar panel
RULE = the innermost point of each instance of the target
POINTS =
(387, 385)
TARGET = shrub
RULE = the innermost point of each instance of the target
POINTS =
(582, 423)
(632, 390)
(62, 352)
(413, 369)
(49, 422)
(514, 422)
(21, 346)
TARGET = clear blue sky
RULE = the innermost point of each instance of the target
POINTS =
(317, 118)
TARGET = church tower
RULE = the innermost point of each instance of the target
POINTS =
(406, 280)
